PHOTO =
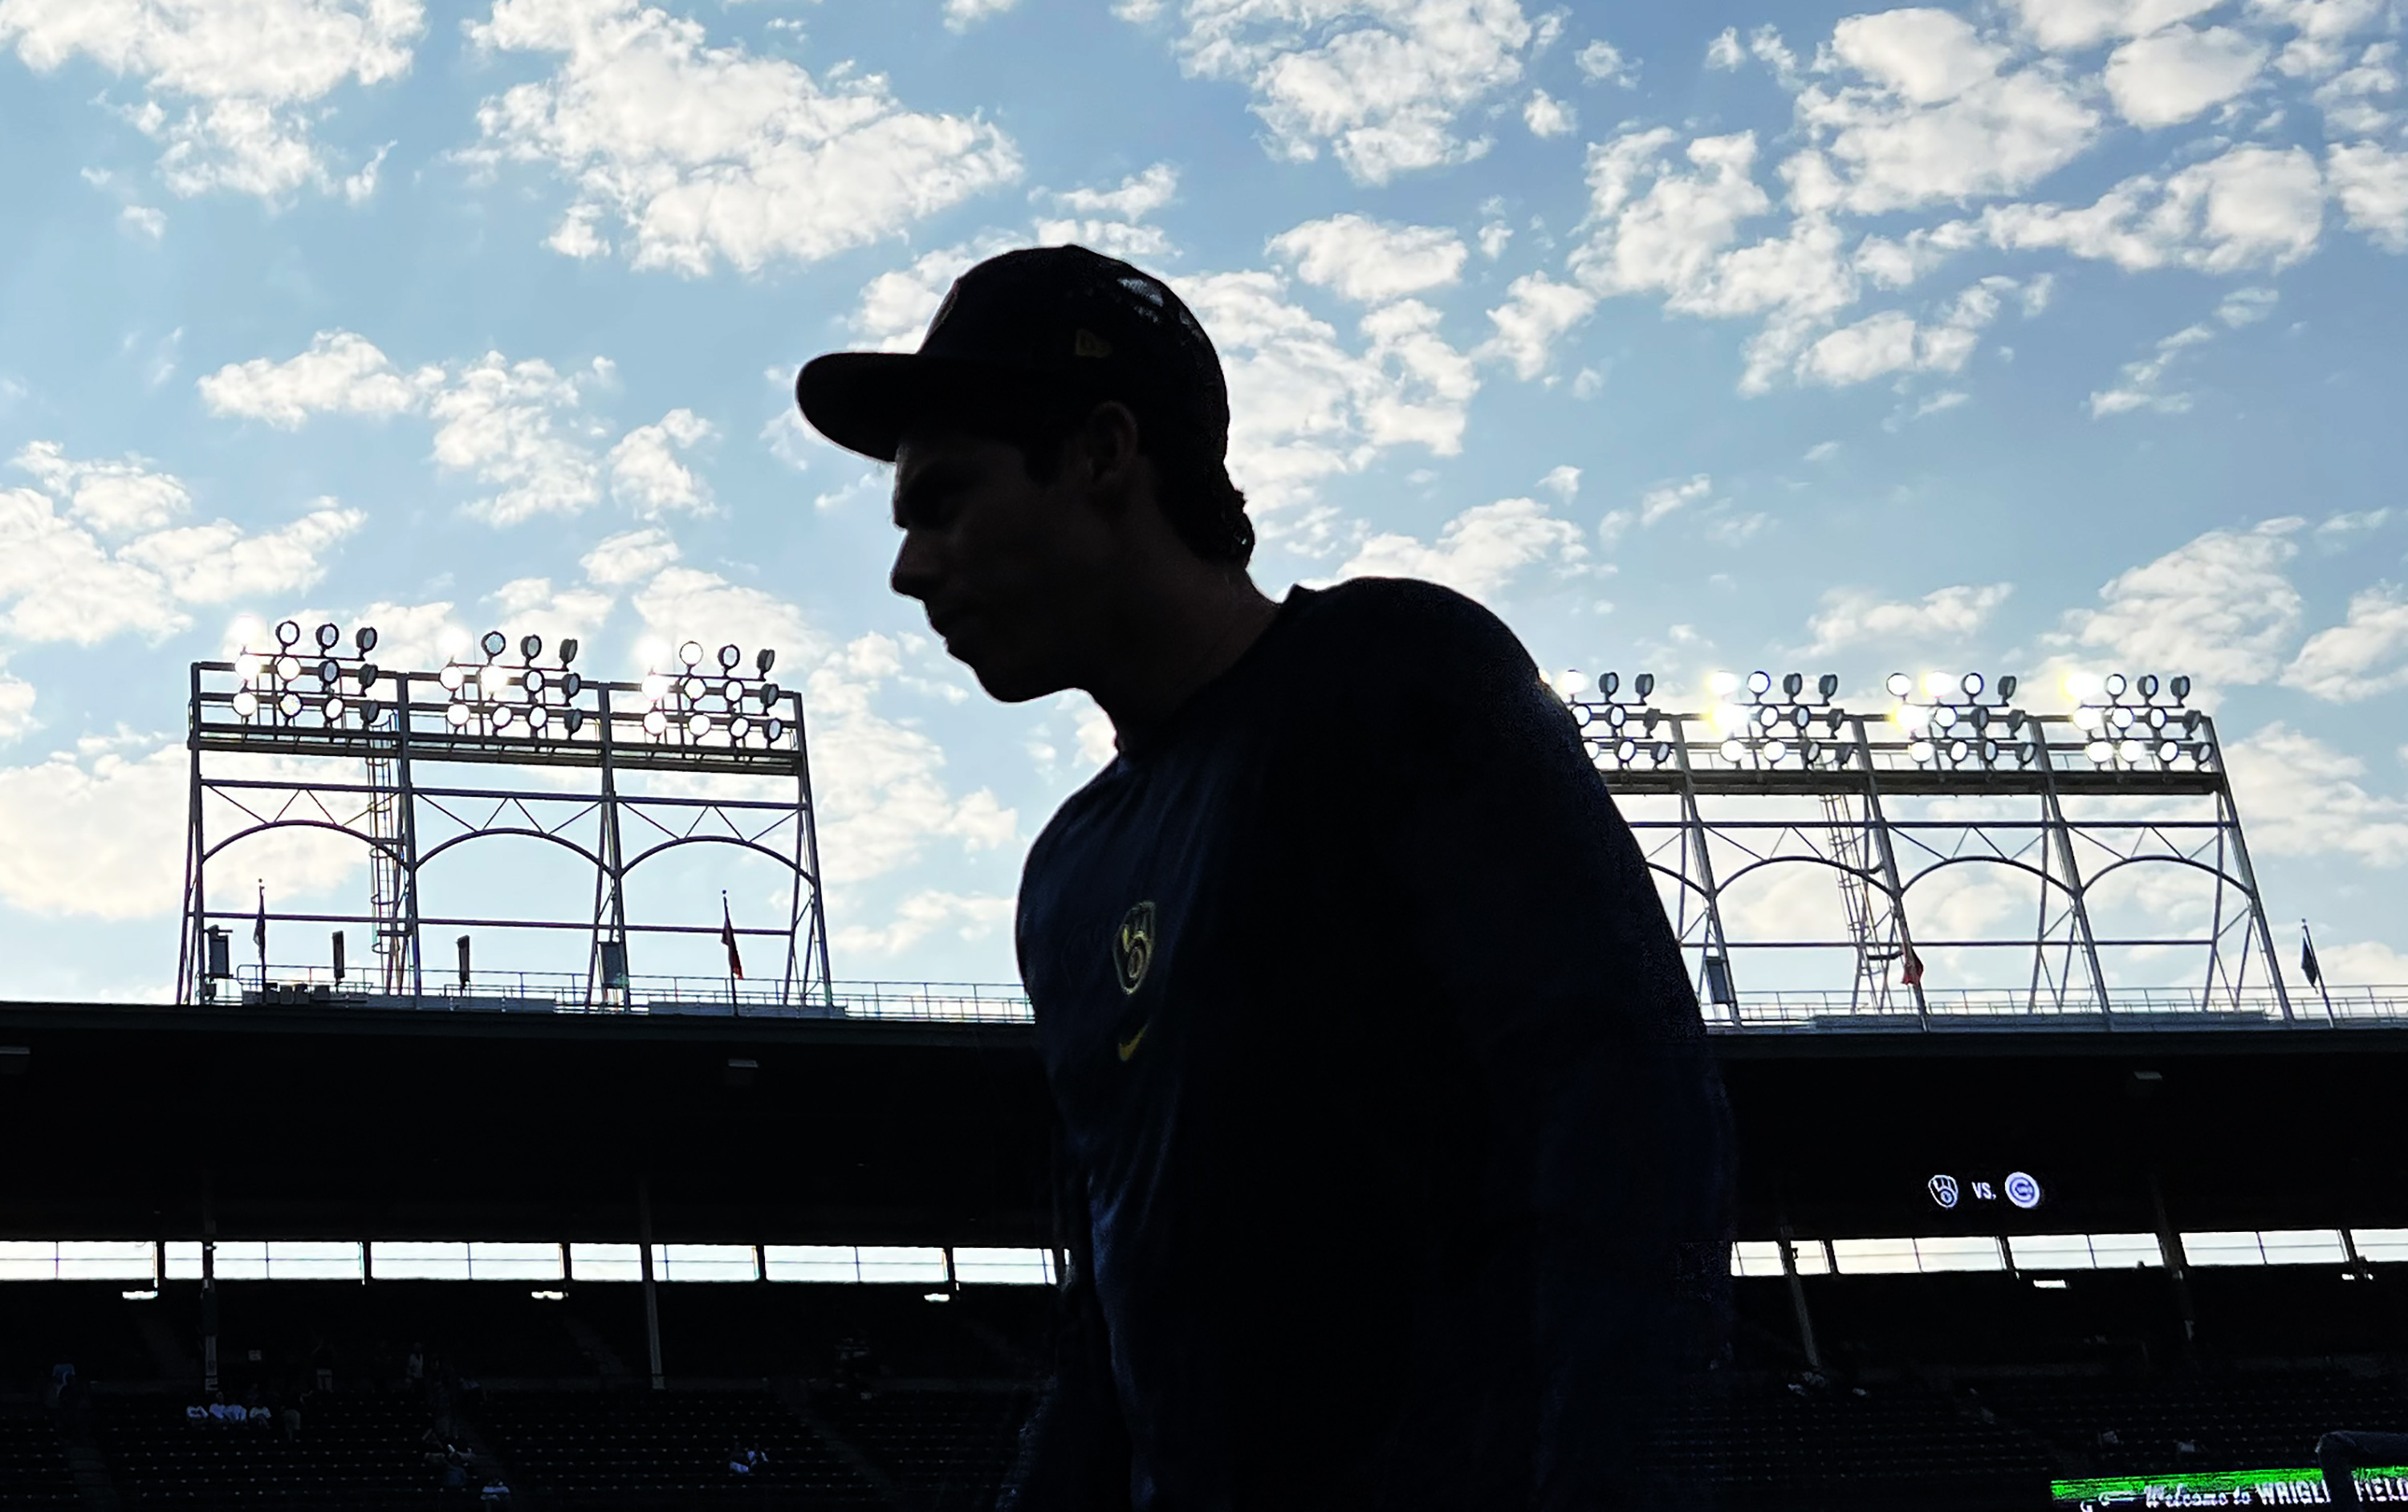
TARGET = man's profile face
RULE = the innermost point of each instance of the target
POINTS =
(1006, 565)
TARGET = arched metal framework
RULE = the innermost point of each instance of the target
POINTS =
(313, 735)
(1769, 782)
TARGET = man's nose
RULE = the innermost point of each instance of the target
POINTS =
(916, 568)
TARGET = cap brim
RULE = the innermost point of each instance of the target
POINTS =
(863, 401)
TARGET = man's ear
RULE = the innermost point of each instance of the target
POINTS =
(1109, 444)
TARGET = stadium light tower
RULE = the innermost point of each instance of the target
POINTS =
(1784, 827)
(280, 738)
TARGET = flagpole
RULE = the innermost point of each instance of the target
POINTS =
(259, 938)
(2314, 968)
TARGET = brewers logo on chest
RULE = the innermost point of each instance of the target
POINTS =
(1133, 945)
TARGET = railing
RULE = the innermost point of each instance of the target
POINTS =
(562, 991)
(1986, 1008)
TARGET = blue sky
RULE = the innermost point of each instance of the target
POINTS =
(2041, 337)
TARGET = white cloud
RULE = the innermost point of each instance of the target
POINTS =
(16, 705)
(1665, 499)
(504, 422)
(1370, 260)
(961, 15)
(1379, 83)
(1306, 406)
(1894, 342)
(704, 154)
(2362, 964)
(1601, 63)
(531, 605)
(231, 90)
(1537, 311)
(144, 220)
(1853, 617)
(2172, 76)
(682, 604)
(2072, 25)
(2141, 384)
(1478, 552)
(2366, 655)
(114, 498)
(341, 374)
(61, 580)
(645, 472)
(629, 557)
(967, 916)
(1111, 220)
(1724, 54)
(2302, 797)
(2219, 608)
(2371, 187)
(2319, 29)
(2250, 207)
(1940, 115)
(2348, 98)
(408, 635)
(1547, 116)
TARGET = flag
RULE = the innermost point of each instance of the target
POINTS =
(2308, 957)
(1912, 974)
(259, 925)
(727, 938)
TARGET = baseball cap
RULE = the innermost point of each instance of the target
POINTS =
(1060, 318)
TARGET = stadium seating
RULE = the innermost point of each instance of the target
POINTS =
(350, 1452)
(33, 1464)
(951, 1448)
(647, 1448)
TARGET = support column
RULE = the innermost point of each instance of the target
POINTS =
(209, 1287)
(644, 1254)
(2177, 1267)
(1798, 1298)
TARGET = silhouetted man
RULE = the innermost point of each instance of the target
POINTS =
(1393, 1165)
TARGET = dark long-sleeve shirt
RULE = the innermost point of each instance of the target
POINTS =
(1393, 1168)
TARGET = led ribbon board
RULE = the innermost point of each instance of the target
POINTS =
(2225, 1487)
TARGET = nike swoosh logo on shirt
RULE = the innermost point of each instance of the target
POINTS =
(1128, 1046)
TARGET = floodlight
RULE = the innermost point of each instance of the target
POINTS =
(246, 666)
(2157, 719)
(327, 635)
(365, 638)
(728, 657)
(530, 646)
(1990, 752)
(1943, 717)
(733, 692)
(538, 716)
(1827, 685)
(1615, 715)
(740, 727)
(334, 711)
(2167, 751)
(2014, 720)
(2121, 716)
(329, 672)
(1734, 751)
(456, 715)
(495, 643)
(493, 682)
(1662, 754)
(1971, 683)
(1610, 684)
(1776, 752)
(568, 650)
(451, 677)
(2180, 688)
(691, 654)
(2148, 685)
(2115, 685)
(2006, 687)
(774, 729)
(1919, 752)
(287, 668)
(768, 694)
(1809, 753)
(2131, 751)
(1643, 685)
(287, 632)
(2100, 751)
(533, 681)
(1793, 684)
(246, 704)
(695, 687)
(571, 684)
(290, 705)
(655, 722)
(1759, 682)
(502, 717)
(1723, 683)
(1977, 716)
(1936, 684)
(1959, 750)
(656, 687)
(764, 659)
(1627, 752)
(1900, 684)
(574, 718)
(698, 725)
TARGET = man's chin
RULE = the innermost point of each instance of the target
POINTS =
(1014, 685)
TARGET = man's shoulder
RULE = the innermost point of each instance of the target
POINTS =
(1405, 621)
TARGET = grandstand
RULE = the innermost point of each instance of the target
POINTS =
(2094, 1238)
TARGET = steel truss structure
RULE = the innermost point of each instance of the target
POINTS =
(317, 738)
(1954, 854)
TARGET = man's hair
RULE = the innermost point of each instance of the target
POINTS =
(1206, 510)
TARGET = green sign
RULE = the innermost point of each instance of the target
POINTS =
(2225, 1487)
